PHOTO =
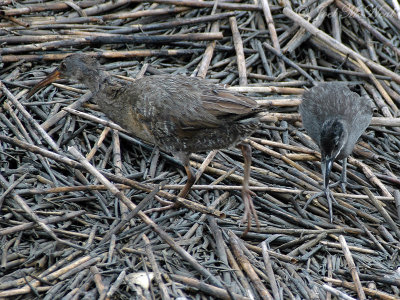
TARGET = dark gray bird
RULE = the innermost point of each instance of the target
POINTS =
(179, 114)
(334, 117)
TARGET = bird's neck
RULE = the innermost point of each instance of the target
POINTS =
(94, 79)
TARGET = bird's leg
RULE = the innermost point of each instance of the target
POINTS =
(329, 197)
(343, 179)
(184, 158)
(343, 176)
(326, 164)
(249, 209)
(190, 180)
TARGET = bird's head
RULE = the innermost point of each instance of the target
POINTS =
(79, 67)
(334, 136)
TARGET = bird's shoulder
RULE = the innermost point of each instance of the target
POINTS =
(190, 102)
(328, 99)
(334, 99)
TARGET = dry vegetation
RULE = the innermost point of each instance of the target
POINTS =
(78, 196)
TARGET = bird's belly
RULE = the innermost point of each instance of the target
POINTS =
(131, 122)
(207, 139)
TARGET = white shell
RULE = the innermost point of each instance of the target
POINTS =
(142, 279)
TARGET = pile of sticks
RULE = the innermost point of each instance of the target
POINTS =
(80, 199)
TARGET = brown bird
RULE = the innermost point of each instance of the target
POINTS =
(179, 114)
(334, 117)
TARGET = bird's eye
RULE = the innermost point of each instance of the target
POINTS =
(63, 67)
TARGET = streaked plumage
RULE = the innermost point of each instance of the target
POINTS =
(179, 114)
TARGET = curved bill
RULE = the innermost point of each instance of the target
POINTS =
(326, 170)
(326, 166)
(49, 79)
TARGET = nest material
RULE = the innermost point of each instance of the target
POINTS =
(80, 198)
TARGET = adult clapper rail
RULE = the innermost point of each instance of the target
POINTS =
(179, 114)
(334, 117)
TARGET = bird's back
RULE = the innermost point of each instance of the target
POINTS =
(335, 100)
(191, 100)
(182, 113)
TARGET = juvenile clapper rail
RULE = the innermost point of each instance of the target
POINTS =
(334, 117)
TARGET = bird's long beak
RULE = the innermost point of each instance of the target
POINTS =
(326, 170)
(326, 165)
(49, 79)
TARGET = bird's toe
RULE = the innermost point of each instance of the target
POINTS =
(249, 210)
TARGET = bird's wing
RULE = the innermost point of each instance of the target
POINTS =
(183, 105)
(327, 100)
(362, 109)
(222, 103)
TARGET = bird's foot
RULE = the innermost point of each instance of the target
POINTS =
(249, 210)
(329, 197)
(316, 195)
(344, 185)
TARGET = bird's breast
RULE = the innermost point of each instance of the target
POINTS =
(129, 119)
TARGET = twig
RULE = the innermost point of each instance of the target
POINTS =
(35, 218)
(270, 272)
(209, 289)
(352, 286)
(221, 4)
(289, 62)
(248, 268)
(157, 275)
(336, 292)
(274, 36)
(237, 41)
(29, 118)
(99, 40)
(383, 212)
(338, 46)
(350, 12)
(186, 256)
(352, 267)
